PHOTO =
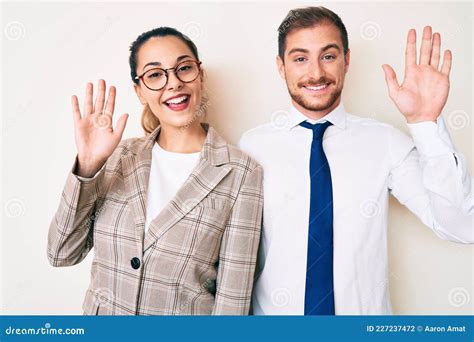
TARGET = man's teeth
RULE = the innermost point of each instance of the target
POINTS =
(177, 100)
(320, 87)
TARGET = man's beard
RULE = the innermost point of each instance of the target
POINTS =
(314, 107)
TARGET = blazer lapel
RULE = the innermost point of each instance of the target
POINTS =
(136, 171)
(210, 170)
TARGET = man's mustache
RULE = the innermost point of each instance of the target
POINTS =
(312, 82)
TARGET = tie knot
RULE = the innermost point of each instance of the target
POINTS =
(318, 129)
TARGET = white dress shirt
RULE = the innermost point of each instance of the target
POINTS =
(368, 160)
(168, 172)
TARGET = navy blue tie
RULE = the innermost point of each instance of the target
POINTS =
(319, 291)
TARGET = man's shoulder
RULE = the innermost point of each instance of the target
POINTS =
(261, 130)
(356, 121)
(370, 126)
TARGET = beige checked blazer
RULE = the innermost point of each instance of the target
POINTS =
(198, 255)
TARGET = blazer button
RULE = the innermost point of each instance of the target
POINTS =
(135, 263)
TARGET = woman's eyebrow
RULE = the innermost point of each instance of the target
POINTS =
(159, 63)
(151, 63)
(182, 57)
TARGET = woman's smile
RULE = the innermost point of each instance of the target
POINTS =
(178, 102)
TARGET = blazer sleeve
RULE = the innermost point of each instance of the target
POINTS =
(70, 235)
(239, 246)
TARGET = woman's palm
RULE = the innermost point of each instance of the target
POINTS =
(95, 137)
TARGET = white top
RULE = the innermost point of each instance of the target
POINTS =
(368, 160)
(168, 172)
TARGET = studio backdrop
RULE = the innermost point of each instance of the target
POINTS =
(51, 50)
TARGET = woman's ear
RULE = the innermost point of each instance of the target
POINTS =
(203, 79)
(138, 91)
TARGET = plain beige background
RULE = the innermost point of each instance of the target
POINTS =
(50, 51)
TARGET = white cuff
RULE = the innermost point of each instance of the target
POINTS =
(431, 139)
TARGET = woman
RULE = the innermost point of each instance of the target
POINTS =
(174, 217)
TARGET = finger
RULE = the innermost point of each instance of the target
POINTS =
(447, 62)
(99, 101)
(425, 50)
(75, 108)
(88, 99)
(435, 53)
(410, 52)
(110, 105)
(391, 79)
(121, 125)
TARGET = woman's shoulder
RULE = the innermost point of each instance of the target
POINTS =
(235, 156)
(239, 158)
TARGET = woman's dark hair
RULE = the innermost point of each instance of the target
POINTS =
(302, 18)
(149, 120)
(157, 32)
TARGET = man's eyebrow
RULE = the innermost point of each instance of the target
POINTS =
(331, 46)
(159, 63)
(298, 50)
(327, 47)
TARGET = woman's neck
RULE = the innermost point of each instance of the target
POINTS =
(182, 139)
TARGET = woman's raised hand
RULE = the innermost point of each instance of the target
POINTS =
(95, 137)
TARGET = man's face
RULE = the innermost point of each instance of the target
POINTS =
(314, 68)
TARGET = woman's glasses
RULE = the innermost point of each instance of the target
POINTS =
(157, 78)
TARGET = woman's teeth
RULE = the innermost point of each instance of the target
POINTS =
(320, 87)
(177, 100)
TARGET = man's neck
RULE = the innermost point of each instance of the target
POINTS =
(316, 114)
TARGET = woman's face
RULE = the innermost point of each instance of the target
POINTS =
(178, 103)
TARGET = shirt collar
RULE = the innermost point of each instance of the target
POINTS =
(337, 117)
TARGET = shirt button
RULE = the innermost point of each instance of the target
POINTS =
(135, 263)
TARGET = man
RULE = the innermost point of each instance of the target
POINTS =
(328, 174)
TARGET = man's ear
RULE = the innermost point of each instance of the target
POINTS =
(138, 91)
(347, 60)
(281, 67)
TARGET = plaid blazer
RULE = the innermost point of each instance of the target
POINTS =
(198, 255)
